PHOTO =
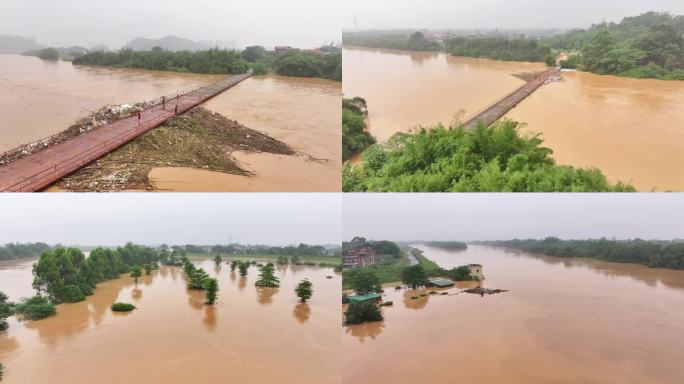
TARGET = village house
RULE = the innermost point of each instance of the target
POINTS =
(360, 257)
(476, 271)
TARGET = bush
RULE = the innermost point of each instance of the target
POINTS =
(122, 307)
(35, 308)
(259, 69)
(304, 290)
(72, 294)
(486, 159)
(6, 310)
(358, 313)
(49, 54)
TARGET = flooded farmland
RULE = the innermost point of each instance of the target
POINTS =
(563, 321)
(250, 335)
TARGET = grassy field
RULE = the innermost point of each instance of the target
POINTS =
(316, 259)
(391, 273)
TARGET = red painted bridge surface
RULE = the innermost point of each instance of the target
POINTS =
(41, 169)
(501, 107)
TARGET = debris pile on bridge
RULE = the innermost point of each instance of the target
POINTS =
(103, 116)
(198, 139)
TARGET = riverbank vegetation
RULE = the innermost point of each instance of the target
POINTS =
(652, 253)
(408, 41)
(35, 308)
(66, 275)
(486, 159)
(450, 245)
(12, 251)
(6, 310)
(499, 48)
(355, 136)
(650, 45)
(324, 62)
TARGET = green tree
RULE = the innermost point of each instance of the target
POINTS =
(198, 278)
(362, 312)
(294, 259)
(148, 269)
(355, 137)
(233, 265)
(211, 286)
(254, 53)
(282, 260)
(135, 273)
(304, 290)
(49, 54)
(414, 276)
(35, 308)
(243, 266)
(218, 260)
(267, 277)
(6, 310)
(365, 281)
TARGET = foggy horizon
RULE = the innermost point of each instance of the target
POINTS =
(93, 219)
(494, 14)
(62, 23)
(486, 216)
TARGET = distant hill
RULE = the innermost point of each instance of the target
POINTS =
(170, 43)
(17, 44)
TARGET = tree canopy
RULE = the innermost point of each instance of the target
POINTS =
(267, 277)
(414, 41)
(304, 290)
(486, 159)
(499, 48)
(414, 276)
(362, 312)
(355, 137)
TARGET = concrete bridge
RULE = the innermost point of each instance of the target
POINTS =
(41, 169)
(501, 107)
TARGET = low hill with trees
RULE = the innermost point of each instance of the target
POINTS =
(413, 41)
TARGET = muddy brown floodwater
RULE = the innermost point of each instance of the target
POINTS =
(302, 112)
(563, 321)
(406, 89)
(250, 335)
(39, 98)
(630, 129)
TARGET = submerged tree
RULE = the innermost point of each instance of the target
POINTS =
(211, 286)
(197, 279)
(218, 260)
(35, 308)
(267, 277)
(364, 280)
(135, 273)
(148, 269)
(233, 265)
(243, 266)
(6, 310)
(414, 276)
(304, 290)
(282, 260)
(361, 312)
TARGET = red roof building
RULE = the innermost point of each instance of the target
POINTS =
(361, 257)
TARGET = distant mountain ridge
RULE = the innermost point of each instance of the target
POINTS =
(170, 43)
(17, 44)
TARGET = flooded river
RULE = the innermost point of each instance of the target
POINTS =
(563, 321)
(250, 335)
(629, 128)
(39, 98)
(302, 112)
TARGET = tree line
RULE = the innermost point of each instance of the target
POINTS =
(650, 45)
(415, 41)
(355, 137)
(325, 62)
(290, 250)
(18, 251)
(497, 158)
(652, 253)
(500, 48)
(451, 245)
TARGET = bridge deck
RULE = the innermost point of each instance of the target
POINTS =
(39, 170)
(501, 107)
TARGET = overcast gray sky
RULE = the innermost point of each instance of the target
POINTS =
(301, 23)
(156, 218)
(457, 216)
(514, 14)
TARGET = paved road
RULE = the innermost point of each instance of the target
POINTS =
(411, 258)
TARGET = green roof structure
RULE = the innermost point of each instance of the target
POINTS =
(366, 297)
(440, 282)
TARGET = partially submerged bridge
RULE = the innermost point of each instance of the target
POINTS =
(41, 169)
(501, 107)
